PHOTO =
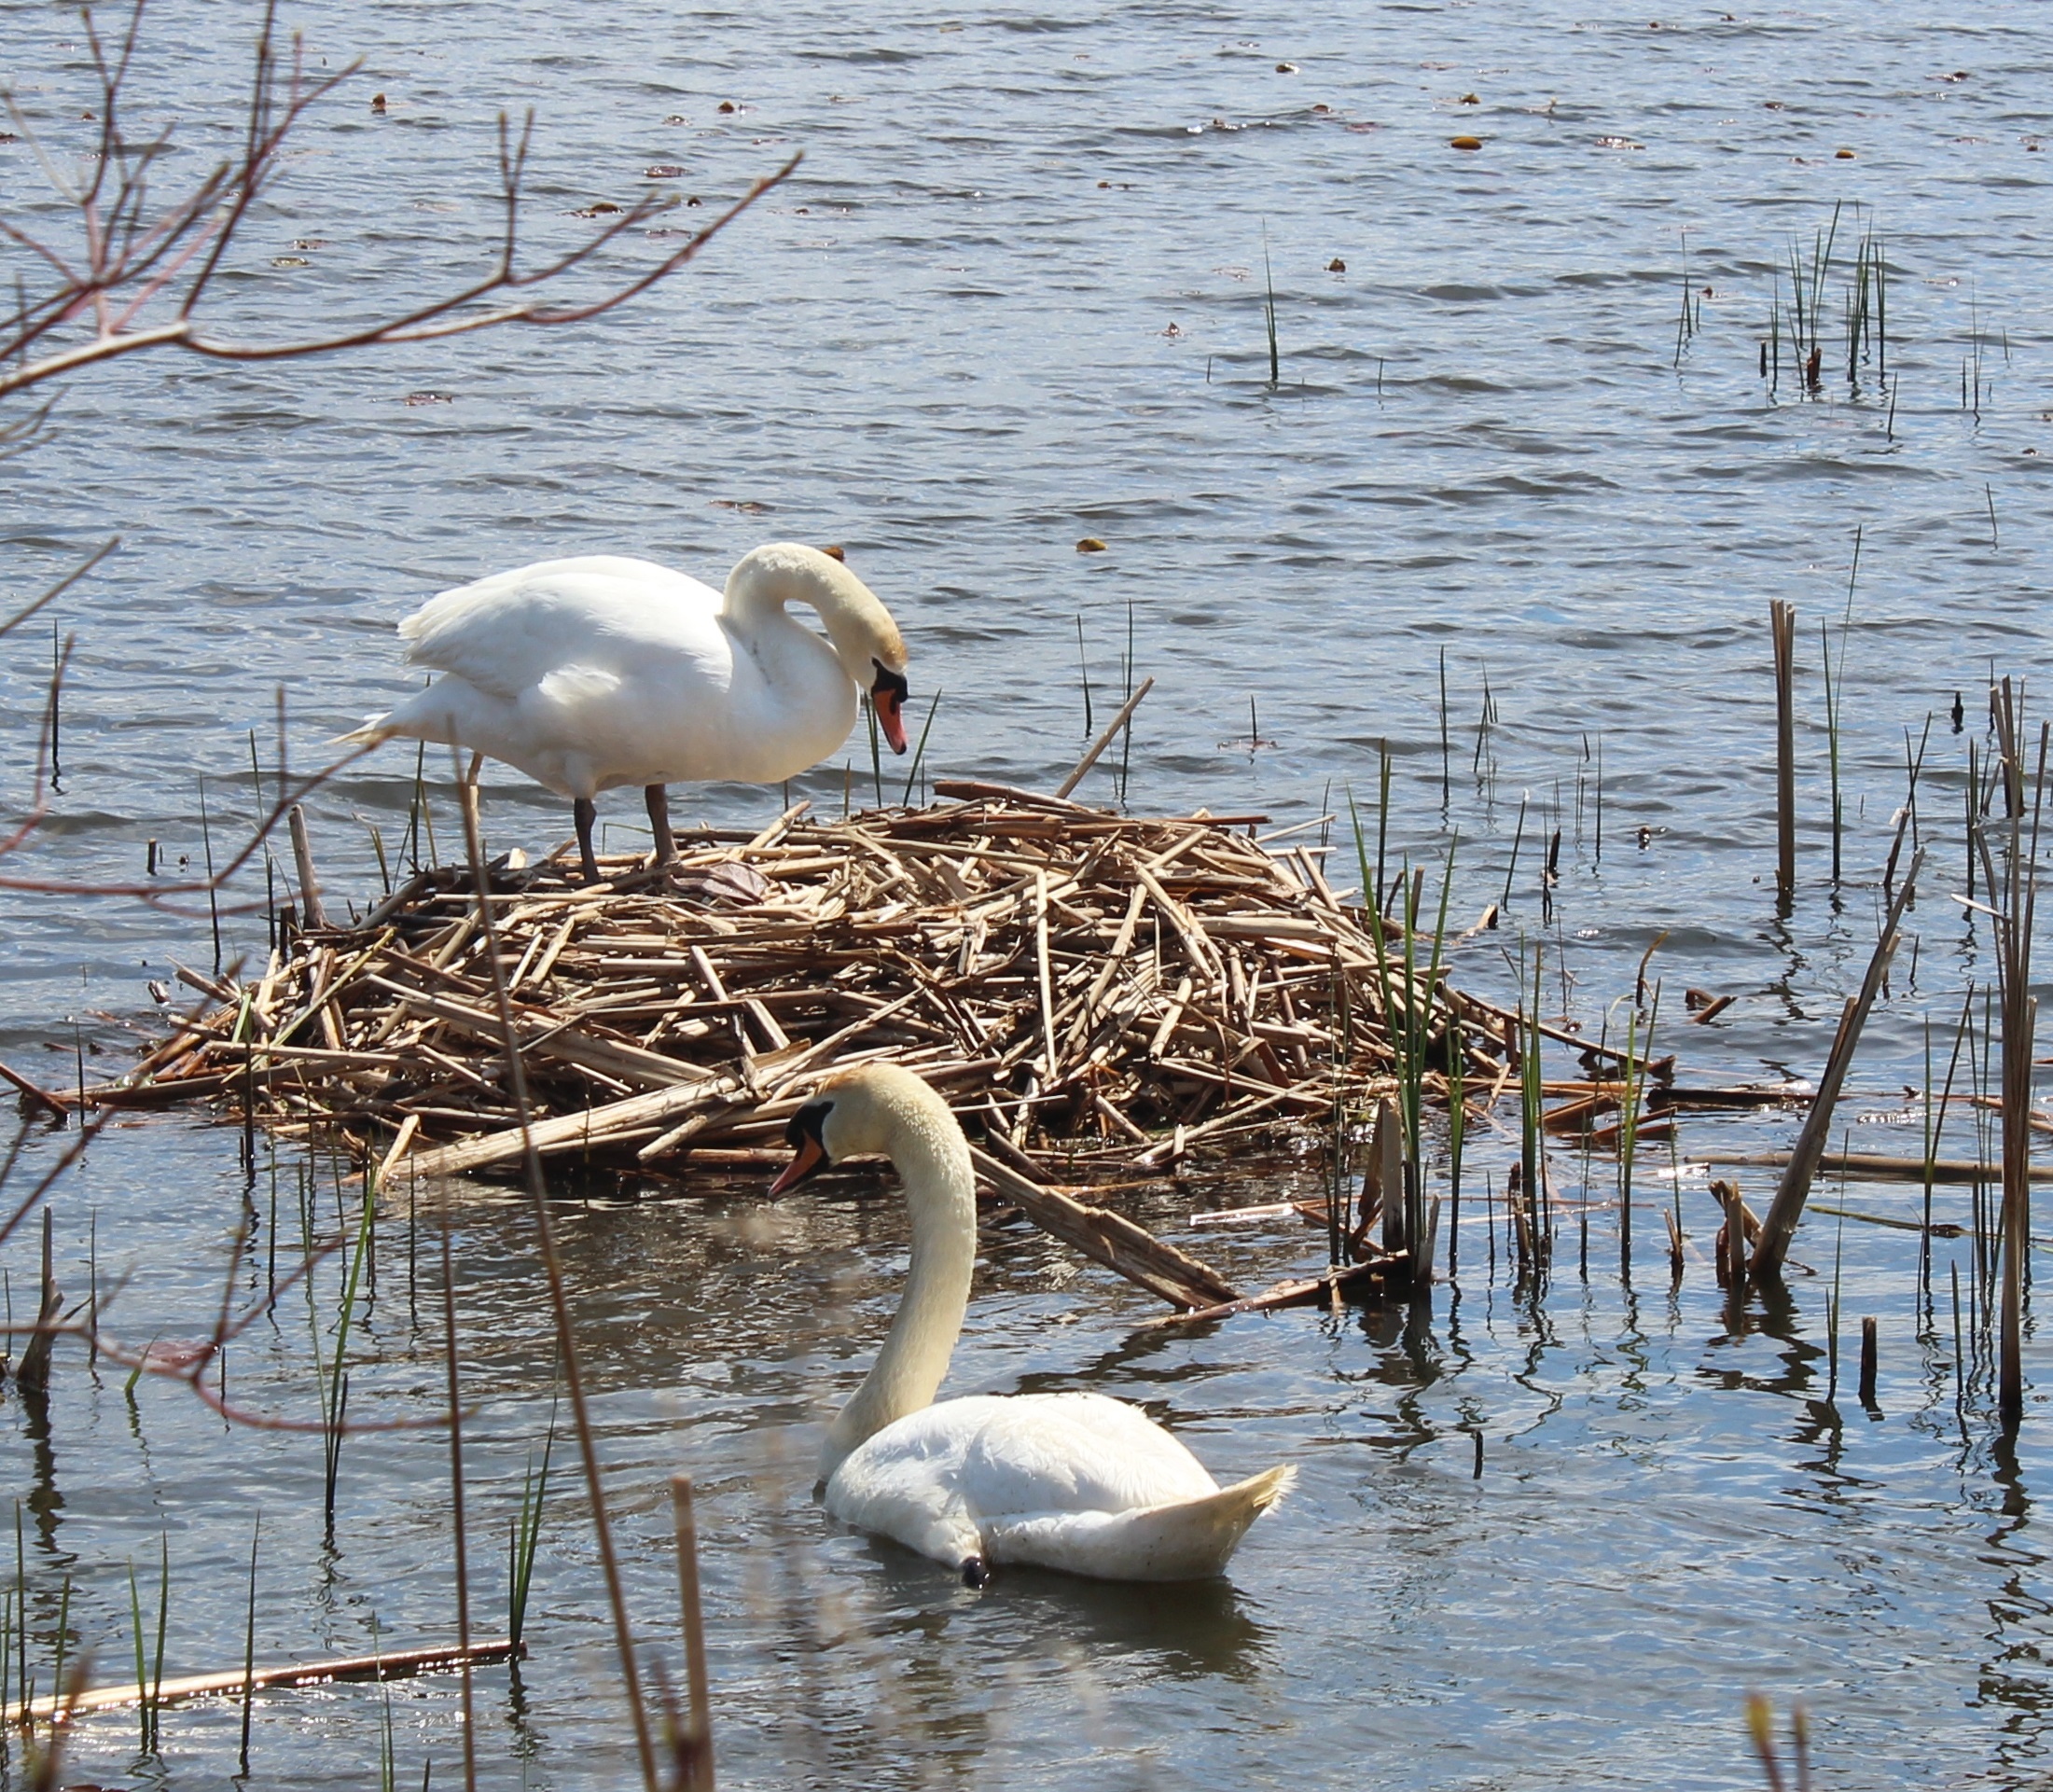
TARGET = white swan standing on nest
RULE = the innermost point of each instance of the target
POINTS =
(1075, 1481)
(598, 672)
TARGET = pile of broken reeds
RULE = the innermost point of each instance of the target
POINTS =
(1088, 990)
(1094, 993)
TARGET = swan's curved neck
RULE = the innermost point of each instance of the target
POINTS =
(932, 1158)
(858, 625)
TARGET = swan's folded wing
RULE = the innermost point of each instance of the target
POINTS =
(1074, 1452)
(904, 1482)
(506, 634)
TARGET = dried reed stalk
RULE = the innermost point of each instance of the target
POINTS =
(1779, 1225)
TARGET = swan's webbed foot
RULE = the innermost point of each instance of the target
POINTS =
(975, 1572)
(584, 811)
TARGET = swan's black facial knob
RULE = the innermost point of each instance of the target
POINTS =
(803, 1134)
(975, 1572)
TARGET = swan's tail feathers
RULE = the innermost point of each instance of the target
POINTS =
(1227, 1513)
(1190, 1539)
(1260, 1492)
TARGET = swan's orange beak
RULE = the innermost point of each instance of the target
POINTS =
(810, 1151)
(811, 1157)
(887, 697)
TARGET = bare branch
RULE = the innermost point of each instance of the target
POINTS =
(133, 256)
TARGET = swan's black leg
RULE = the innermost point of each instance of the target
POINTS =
(658, 798)
(585, 812)
(975, 1572)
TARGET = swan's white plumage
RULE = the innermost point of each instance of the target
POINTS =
(1077, 1481)
(602, 671)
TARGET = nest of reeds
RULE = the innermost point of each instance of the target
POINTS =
(1093, 992)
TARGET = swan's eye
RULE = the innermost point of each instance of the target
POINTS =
(806, 1124)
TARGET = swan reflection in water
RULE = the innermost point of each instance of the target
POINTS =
(1186, 1630)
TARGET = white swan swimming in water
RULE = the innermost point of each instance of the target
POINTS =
(598, 672)
(1075, 1481)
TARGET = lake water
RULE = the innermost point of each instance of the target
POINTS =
(1015, 296)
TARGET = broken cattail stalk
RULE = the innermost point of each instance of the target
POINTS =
(32, 1376)
(312, 913)
(1779, 1226)
(1106, 740)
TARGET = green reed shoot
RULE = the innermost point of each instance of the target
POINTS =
(1457, 1120)
(1408, 1070)
(1685, 327)
(1831, 1314)
(920, 751)
(1126, 735)
(876, 756)
(1866, 331)
(146, 1717)
(1083, 668)
(388, 1766)
(1446, 776)
(1959, 1350)
(1518, 837)
(1834, 691)
(427, 809)
(1931, 1169)
(214, 895)
(1531, 1151)
(149, 1677)
(1636, 1052)
(1772, 352)
(249, 1645)
(1810, 307)
(1382, 813)
(1269, 312)
(22, 1676)
(525, 1534)
(1832, 742)
(1421, 1024)
(378, 847)
(1398, 1030)
(163, 1620)
(335, 1402)
(1486, 720)
(409, 841)
(1336, 1175)
(1937, 1120)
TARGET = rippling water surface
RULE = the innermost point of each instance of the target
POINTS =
(1015, 296)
